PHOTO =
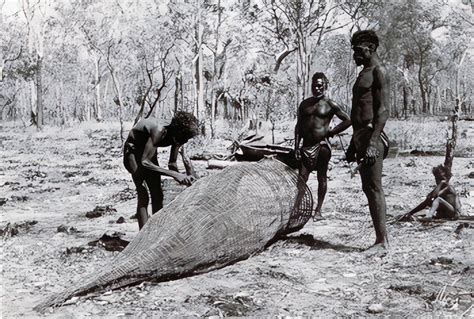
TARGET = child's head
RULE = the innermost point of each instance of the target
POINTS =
(441, 172)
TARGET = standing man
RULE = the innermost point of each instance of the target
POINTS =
(140, 158)
(314, 116)
(369, 145)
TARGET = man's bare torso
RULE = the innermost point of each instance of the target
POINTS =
(362, 112)
(142, 131)
(315, 115)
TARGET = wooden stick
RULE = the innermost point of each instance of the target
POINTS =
(220, 164)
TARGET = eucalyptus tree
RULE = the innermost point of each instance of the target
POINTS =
(217, 41)
(412, 47)
(152, 51)
(36, 17)
(300, 27)
(15, 66)
(189, 19)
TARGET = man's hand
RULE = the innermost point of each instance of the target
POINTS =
(173, 166)
(350, 157)
(371, 154)
(351, 151)
(185, 179)
(350, 154)
(298, 155)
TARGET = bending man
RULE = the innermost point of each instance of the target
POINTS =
(140, 158)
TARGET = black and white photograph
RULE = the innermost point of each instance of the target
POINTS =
(237, 158)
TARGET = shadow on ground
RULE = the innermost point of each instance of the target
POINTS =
(309, 240)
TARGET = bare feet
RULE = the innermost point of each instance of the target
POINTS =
(425, 219)
(317, 216)
(376, 250)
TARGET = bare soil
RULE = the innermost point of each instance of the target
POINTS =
(49, 180)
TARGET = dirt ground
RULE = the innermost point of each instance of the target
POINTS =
(56, 176)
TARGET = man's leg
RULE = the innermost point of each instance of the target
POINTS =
(143, 200)
(156, 192)
(371, 177)
(303, 175)
(322, 169)
(130, 164)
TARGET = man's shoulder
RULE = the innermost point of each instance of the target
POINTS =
(331, 103)
(310, 101)
(336, 107)
(380, 70)
(148, 124)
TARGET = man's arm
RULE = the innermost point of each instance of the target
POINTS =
(188, 164)
(381, 101)
(343, 116)
(172, 165)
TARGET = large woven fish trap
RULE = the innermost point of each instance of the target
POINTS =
(239, 207)
(220, 219)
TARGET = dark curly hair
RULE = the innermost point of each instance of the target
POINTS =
(322, 76)
(442, 172)
(365, 36)
(184, 124)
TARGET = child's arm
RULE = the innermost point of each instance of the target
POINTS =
(440, 189)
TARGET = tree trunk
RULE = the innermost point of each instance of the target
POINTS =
(201, 107)
(226, 109)
(438, 101)
(394, 104)
(304, 65)
(405, 101)
(451, 142)
(236, 113)
(39, 84)
(348, 79)
(97, 100)
(33, 97)
(61, 103)
(118, 91)
(28, 12)
(213, 113)
(428, 100)
(422, 87)
(298, 87)
(140, 112)
(178, 102)
(105, 97)
(199, 77)
(2, 65)
(87, 110)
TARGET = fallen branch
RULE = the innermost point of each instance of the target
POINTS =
(217, 164)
